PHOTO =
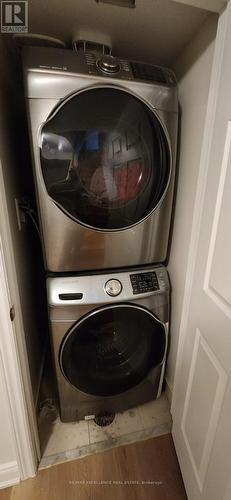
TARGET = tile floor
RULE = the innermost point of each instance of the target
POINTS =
(67, 441)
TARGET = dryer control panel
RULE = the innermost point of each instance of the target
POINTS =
(132, 70)
(60, 61)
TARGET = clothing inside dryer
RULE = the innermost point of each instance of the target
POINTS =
(105, 158)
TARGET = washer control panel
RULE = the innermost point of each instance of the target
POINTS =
(144, 282)
(100, 288)
(113, 287)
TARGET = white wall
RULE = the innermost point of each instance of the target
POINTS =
(155, 31)
(193, 69)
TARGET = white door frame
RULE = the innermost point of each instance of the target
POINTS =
(197, 444)
(216, 75)
(14, 354)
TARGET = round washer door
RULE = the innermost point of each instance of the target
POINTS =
(112, 349)
(105, 158)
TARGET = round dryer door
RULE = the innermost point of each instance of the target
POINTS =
(112, 349)
(105, 158)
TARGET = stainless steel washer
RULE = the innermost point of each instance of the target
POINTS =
(104, 137)
(109, 335)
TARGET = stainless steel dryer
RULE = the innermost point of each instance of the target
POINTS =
(104, 137)
(109, 334)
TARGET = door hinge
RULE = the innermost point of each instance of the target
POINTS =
(12, 313)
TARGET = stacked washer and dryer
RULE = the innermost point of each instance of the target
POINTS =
(104, 137)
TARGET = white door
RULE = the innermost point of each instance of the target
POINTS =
(202, 393)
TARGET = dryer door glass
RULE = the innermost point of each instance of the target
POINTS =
(105, 159)
(112, 349)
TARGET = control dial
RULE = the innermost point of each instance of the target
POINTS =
(109, 64)
(113, 287)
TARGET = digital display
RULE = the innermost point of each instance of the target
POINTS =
(144, 282)
(148, 72)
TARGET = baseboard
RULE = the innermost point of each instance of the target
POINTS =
(9, 474)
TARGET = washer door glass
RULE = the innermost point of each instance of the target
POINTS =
(112, 349)
(105, 158)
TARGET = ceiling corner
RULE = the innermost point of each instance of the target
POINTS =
(210, 5)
